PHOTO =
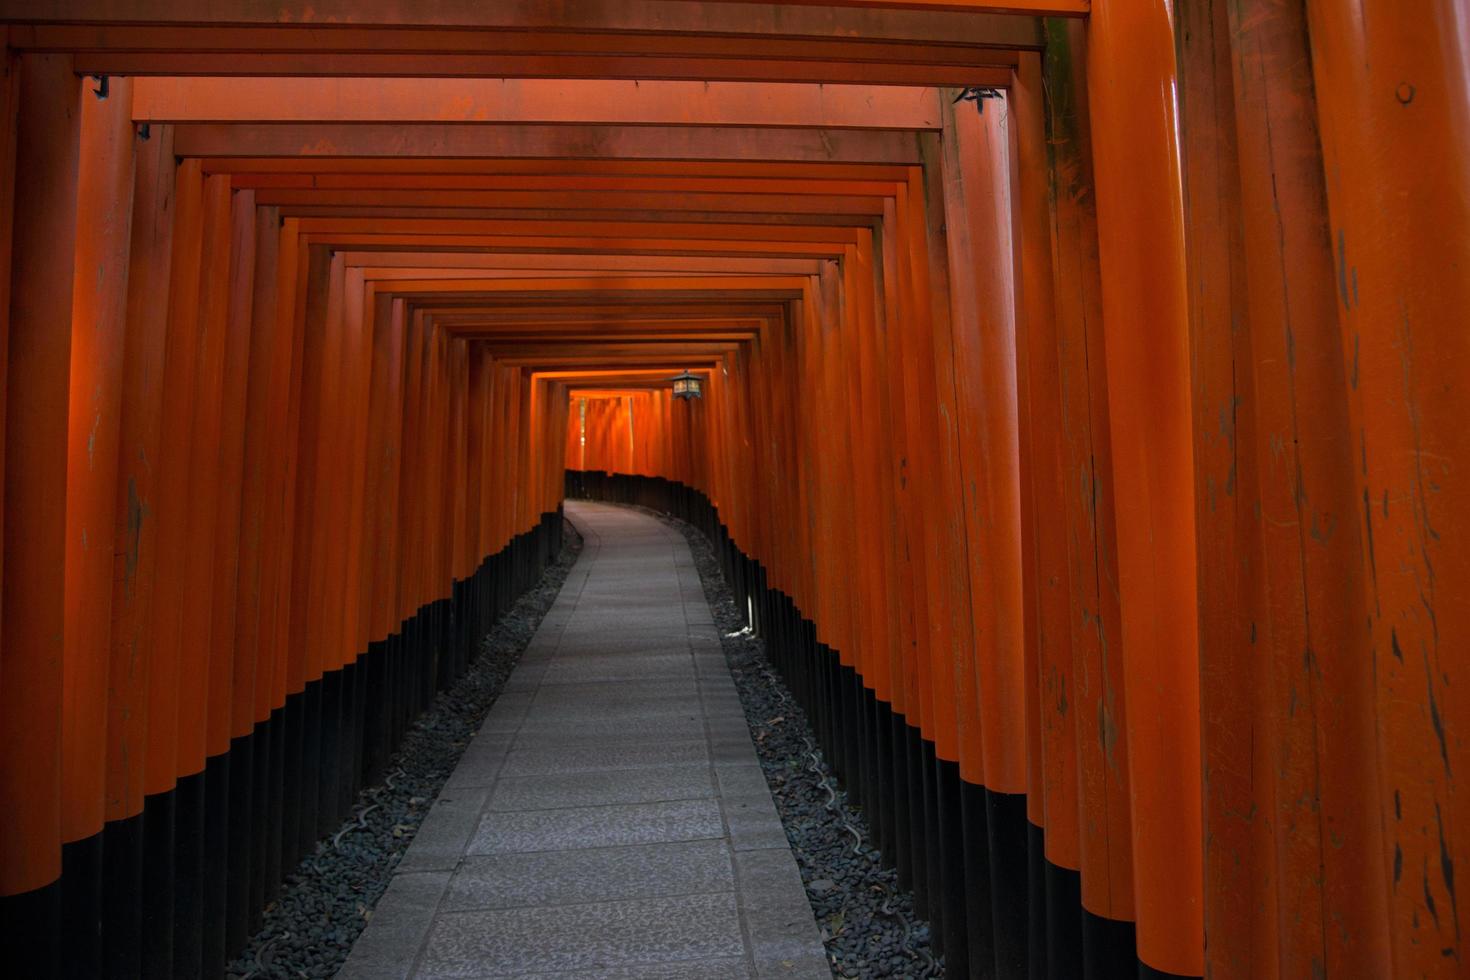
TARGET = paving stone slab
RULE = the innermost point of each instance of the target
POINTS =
(722, 969)
(596, 756)
(550, 716)
(675, 667)
(753, 822)
(597, 826)
(609, 821)
(401, 922)
(598, 874)
(590, 936)
(651, 785)
(482, 761)
(442, 838)
(680, 723)
(672, 691)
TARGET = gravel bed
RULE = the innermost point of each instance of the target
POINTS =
(325, 903)
(868, 923)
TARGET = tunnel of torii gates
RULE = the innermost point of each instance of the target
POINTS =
(1084, 427)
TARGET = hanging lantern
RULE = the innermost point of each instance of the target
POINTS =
(686, 385)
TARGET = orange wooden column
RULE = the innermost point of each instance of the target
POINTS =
(135, 547)
(1098, 699)
(388, 377)
(98, 324)
(232, 668)
(1393, 96)
(1132, 78)
(1237, 749)
(252, 663)
(320, 502)
(32, 616)
(910, 701)
(1302, 592)
(277, 461)
(252, 705)
(195, 886)
(933, 716)
(377, 316)
(1052, 798)
(161, 770)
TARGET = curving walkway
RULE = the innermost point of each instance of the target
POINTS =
(610, 819)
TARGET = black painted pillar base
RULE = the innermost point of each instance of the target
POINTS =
(1108, 948)
(30, 932)
(310, 786)
(880, 820)
(276, 791)
(81, 906)
(934, 874)
(1009, 873)
(979, 919)
(260, 820)
(289, 781)
(903, 831)
(954, 939)
(1063, 923)
(215, 883)
(189, 831)
(159, 813)
(122, 898)
(1037, 955)
(918, 825)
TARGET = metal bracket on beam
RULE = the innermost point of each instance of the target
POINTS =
(977, 95)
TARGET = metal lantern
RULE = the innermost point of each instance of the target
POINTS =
(686, 385)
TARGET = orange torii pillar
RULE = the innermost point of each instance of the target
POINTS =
(187, 615)
(53, 707)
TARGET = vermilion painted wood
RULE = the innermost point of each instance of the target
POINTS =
(536, 101)
(260, 448)
(1401, 296)
(1052, 796)
(9, 107)
(248, 49)
(140, 432)
(104, 190)
(174, 457)
(234, 719)
(530, 142)
(915, 416)
(331, 64)
(359, 317)
(913, 622)
(1242, 912)
(1130, 68)
(936, 719)
(389, 365)
(291, 307)
(958, 694)
(284, 406)
(733, 22)
(203, 681)
(46, 142)
(326, 505)
(1099, 700)
(311, 315)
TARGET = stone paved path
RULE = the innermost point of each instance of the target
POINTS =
(610, 819)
